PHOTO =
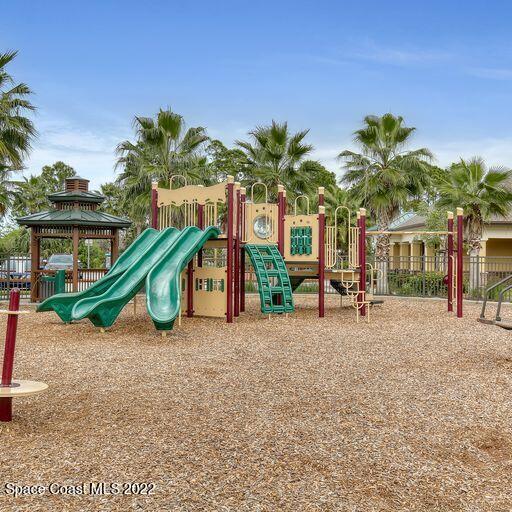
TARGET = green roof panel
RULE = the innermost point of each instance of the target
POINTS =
(76, 195)
(73, 218)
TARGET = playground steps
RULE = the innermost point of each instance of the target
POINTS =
(274, 284)
(342, 290)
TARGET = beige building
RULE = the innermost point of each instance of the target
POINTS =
(406, 251)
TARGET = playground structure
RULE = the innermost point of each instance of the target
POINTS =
(10, 388)
(195, 256)
(285, 248)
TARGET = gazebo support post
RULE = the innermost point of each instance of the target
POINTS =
(114, 246)
(35, 250)
(75, 258)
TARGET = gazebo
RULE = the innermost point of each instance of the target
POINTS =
(74, 215)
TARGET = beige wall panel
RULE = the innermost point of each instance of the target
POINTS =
(210, 303)
(293, 221)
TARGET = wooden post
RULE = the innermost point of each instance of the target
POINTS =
(76, 239)
(10, 345)
(236, 304)
(35, 246)
(280, 219)
(362, 253)
(190, 288)
(114, 252)
(242, 250)
(154, 205)
(460, 267)
(321, 261)
(449, 261)
(229, 256)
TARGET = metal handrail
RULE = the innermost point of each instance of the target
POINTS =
(500, 300)
(487, 292)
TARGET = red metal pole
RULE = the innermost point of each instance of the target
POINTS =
(229, 257)
(449, 260)
(460, 267)
(10, 345)
(280, 219)
(362, 252)
(321, 260)
(242, 250)
(154, 205)
(200, 225)
(236, 305)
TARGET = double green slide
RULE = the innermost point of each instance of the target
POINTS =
(155, 259)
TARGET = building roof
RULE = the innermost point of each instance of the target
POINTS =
(74, 217)
(412, 220)
(76, 195)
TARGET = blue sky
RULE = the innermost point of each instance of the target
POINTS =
(445, 66)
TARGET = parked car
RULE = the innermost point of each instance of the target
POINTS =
(15, 273)
(61, 262)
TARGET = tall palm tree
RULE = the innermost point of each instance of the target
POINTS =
(277, 156)
(482, 192)
(16, 130)
(385, 175)
(163, 148)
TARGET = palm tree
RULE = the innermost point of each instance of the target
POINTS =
(385, 175)
(162, 148)
(30, 196)
(278, 157)
(16, 130)
(482, 193)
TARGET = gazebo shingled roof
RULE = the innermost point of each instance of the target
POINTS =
(74, 218)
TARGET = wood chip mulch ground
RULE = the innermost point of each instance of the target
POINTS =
(411, 412)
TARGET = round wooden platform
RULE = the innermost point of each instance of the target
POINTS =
(23, 388)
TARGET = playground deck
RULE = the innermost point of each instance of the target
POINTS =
(410, 412)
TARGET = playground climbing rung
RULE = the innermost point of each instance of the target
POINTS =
(276, 298)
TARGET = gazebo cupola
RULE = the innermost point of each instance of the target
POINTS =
(76, 195)
(74, 215)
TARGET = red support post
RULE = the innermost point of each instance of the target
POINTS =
(10, 345)
(362, 256)
(460, 264)
(449, 261)
(236, 302)
(200, 225)
(321, 260)
(280, 219)
(242, 251)
(230, 250)
(154, 205)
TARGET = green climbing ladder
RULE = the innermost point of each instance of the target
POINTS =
(273, 281)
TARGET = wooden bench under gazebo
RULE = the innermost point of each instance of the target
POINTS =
(74, 215)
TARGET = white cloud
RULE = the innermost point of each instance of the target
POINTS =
(495, 151)
(91, 154)
(491, 73)
(399, 56)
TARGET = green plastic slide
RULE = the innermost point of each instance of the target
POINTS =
(163, 286)
(63, 303)
(102, 310)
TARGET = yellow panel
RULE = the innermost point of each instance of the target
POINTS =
(210, 303)
(192, 193)
(294, 221)
(254, 210)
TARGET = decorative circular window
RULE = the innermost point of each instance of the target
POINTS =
(262, 226)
